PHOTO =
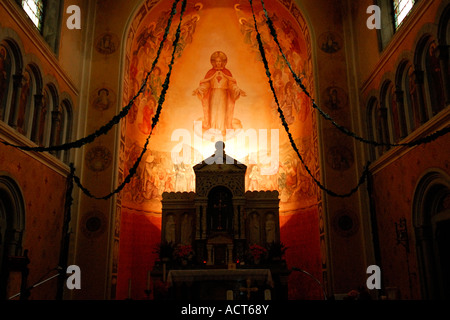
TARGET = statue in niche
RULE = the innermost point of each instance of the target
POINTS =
(414, 94)
(23, 102)
(218, 92)
(435, 78)
(270, 228)
(5, 69)
(170, 229)
(186, 229)
(42, 119)
(254, 229)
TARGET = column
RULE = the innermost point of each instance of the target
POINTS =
(36, 117)
(399, 98)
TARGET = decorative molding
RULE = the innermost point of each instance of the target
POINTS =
(8, 134)
(438, 122)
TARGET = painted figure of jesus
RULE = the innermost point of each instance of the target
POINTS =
(218, 93)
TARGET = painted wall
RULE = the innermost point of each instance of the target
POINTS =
(397, 173)
(41, 178)
(209, 27)
(44, 196)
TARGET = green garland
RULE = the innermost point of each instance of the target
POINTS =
(348, 132)
(115, 120)
(286, 127)
(155, 120)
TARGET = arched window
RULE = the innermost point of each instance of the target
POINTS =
(45, 16)
(434, 78)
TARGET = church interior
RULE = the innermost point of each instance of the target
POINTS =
(224, 149)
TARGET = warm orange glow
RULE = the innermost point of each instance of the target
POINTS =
(231, 96)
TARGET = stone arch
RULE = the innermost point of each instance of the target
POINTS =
(443, 19)
(11, 66)
(431, 220)
(12, 225)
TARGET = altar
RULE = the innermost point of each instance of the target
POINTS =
(220, 242)
(220, 284)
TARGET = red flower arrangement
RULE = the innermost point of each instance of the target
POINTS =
(257, 252)
(184, 252)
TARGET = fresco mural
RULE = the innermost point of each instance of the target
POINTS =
(218, 91)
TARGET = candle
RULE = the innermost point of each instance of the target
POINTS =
(148, 280)
(129, 288)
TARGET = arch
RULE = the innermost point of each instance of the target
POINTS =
(43, 118)
(444, 47)
(431, 220)
(402, 98)
(10, 70)
(66, 124)
(16, 52)
(383, 120)
(12, 225)
(372, 106)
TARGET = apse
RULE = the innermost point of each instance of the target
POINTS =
(218, 90)
(193, 119)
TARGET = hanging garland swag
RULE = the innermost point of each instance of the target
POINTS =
(124, 112)
(155, 120)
